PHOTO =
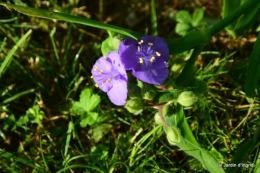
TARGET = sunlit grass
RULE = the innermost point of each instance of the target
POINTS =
(48, 72)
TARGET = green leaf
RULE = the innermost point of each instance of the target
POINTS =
(165, 97)
(8, 58)
(197, 16)
(253, 72)
(99, 131)
(182, 28)
(183, 125)
(35, 115)
(187, 142)
(183, 16)
(110, 44)
(87, 102)
(188, 69)
(98, 153)
(90, 118)
(69, 18)
(93, 102)
(227, 8)
(247, 20)
(206, 159)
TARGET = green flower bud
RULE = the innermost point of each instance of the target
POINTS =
(187, 98)
(148, 92)
(134, 106)
(173, 135)
(157, 119)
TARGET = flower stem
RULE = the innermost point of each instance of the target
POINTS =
(160, 108)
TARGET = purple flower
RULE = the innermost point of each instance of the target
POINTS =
(110, 76)
(146, 57)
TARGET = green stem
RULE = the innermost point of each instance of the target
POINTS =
(246, 7)
(189, 67)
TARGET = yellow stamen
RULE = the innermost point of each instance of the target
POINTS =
(96, 67)
(92, 77)
(150, 43)
(152, 59)
(158, 53)
(141, 41)
(138, 48)
(96, 85)
(141, 60)
(100, 71)
(108, 80)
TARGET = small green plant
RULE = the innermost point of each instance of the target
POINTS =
(85, 107)
(189, 22)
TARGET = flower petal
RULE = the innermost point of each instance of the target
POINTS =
(152, 75)
(127, 49)
(118, 93)
(114, 58)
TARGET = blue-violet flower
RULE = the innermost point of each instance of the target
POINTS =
(146, 57)
(110, 76)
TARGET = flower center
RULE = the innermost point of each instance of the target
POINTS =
(146, 53)
(105, 77)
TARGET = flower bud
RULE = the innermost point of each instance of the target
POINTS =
(148, 92)
(134, 106)
(186, 98)
(173, 135)
(157, 119)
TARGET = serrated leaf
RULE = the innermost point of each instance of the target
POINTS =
(93, 102)
(77, 108)
(87, 102)
(99, 131)
(89, 119)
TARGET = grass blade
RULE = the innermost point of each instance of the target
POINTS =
(16, 96)
(69, 18)
(8, 58)
(11, 156)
